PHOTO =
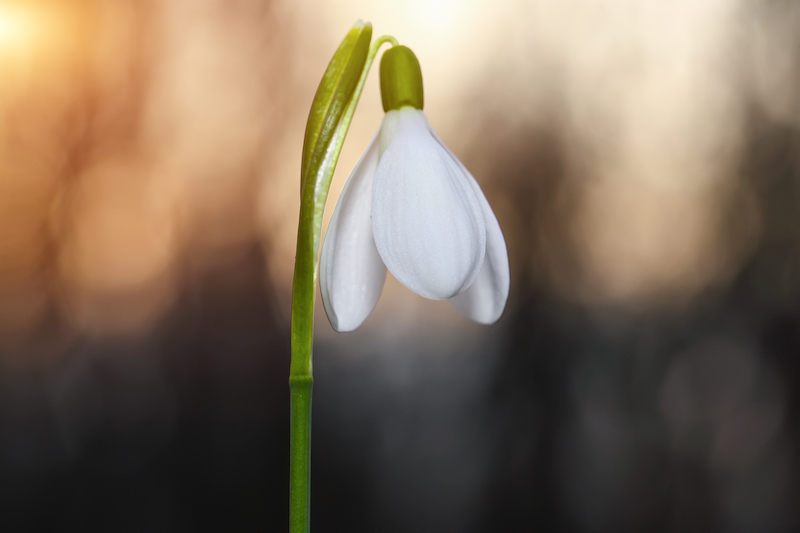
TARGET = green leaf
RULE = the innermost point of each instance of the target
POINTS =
(333, 94)
(336, 97)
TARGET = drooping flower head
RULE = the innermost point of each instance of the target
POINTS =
(411, 206)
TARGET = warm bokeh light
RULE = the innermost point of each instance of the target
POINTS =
(35, 32)
(16, 27)
(119, 248)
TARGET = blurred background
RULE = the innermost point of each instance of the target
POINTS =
(642, 157)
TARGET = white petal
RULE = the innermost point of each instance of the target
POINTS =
(351, 273)
(426, 219)
(485, 300)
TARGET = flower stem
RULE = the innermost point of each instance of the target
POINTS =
(300, 454)
(303, 294)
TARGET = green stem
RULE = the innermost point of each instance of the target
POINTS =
(303, 295)
(300, 454)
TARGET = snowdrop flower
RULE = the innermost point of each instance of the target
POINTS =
(411, 206)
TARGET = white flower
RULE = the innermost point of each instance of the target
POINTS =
(411, 206)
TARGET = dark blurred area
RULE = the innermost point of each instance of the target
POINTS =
(643, 159)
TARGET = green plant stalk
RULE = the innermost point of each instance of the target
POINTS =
(329, 120)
